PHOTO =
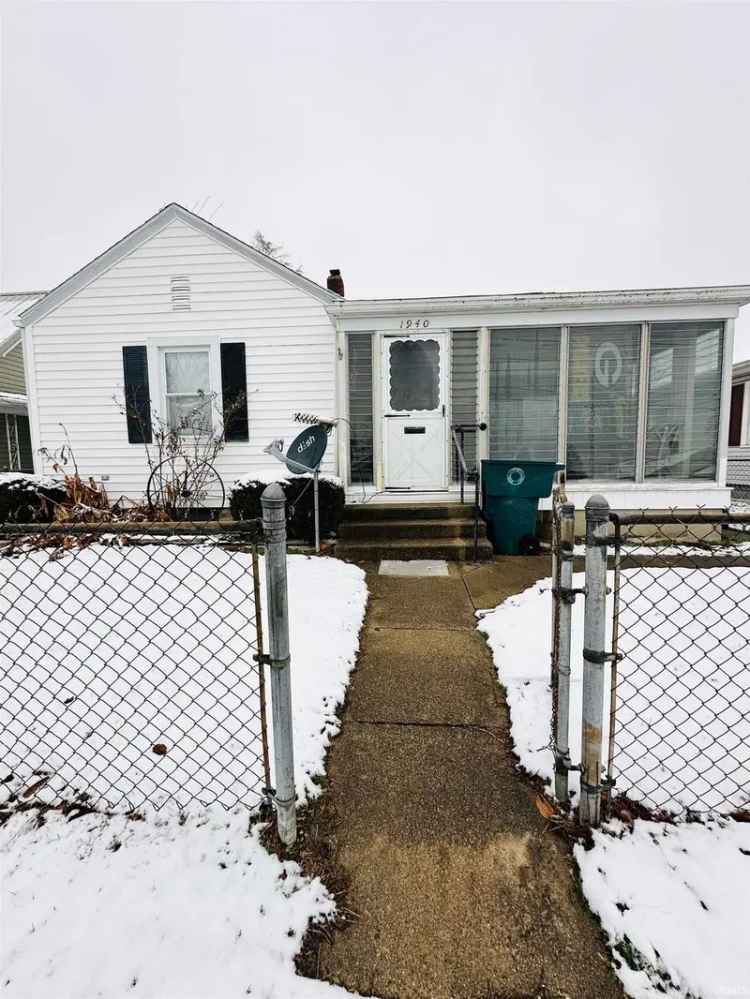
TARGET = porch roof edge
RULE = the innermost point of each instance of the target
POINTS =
(732, 295)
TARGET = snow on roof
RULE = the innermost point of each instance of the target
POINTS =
(12, 305)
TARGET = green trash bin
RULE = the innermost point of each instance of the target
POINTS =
(511, 491)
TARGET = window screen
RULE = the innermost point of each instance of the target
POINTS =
(603, 373)
(684, 400)
(524, 393)
(414, 373)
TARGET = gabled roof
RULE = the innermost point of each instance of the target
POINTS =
(149, 228)
(12, 305)
(741, 371)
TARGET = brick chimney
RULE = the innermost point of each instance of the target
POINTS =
(335, 282)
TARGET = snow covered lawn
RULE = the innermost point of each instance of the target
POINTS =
(684, 739)
(673, 900)
(107, 908)
(172, 906)
(109, 651)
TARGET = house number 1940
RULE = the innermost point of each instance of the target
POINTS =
(414, 324)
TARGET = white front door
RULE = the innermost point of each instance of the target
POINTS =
(415, 431)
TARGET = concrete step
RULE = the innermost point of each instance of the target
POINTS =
(450, 549)
(354, 531)
(408, 511)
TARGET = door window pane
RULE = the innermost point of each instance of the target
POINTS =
(684, 400)
(603, 372)
(524, 393)
(414, 375)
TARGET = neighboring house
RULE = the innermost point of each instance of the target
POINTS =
(630, 388)
(738, 465)
(15, 437)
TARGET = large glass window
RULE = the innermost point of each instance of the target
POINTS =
(524, 393)
(684, 400)
(603, 372)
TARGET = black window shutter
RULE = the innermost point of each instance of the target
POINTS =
(234, 391)
(137, 396)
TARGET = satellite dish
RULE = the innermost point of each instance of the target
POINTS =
(305, 452)
(304, 457)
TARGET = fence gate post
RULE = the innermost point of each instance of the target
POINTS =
(594, 657)
(565, 598)
(274, 532)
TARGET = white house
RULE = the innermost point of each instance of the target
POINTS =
(631, 389)
(738, 467)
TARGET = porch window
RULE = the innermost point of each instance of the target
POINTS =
(603, 378)
(684, 400)
(360, 408)
(187, 390)
(524, 393)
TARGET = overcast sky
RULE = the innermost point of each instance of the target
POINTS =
(422, 148)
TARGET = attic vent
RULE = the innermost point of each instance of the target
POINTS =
(180, 287)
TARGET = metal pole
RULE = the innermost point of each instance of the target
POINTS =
(594, 657)
(274, 531)
(565, 604)
(317, 510)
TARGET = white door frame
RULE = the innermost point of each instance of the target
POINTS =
(443, 338)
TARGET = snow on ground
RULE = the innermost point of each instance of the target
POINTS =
(173, 906)
(686, 641)
(109, 651)
(673, 900)
(111, 907)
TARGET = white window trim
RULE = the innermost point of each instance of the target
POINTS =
(155, 349)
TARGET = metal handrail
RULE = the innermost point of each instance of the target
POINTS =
(464, 475)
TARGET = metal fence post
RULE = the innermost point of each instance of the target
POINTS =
(594, 657)
(274, 532)
(565, 597)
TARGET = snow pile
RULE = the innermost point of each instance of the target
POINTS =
(684, 734)
(279, 473)
(23, 480)
(673, 900)
(111, 907)
(108, 652)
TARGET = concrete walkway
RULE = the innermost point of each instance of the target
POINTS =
(459, 892)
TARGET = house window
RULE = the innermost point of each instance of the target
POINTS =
(524, 393)
(603, 379)
(187, 389)
(684, 400)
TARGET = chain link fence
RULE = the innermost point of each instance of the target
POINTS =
(662, 652)
(679, 736)
(131, 666)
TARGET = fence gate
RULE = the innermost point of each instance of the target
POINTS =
(679, 692)
(130, 666)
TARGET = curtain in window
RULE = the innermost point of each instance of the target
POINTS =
(603, 372)
(684, 400)
(524, 393)
(188, 390)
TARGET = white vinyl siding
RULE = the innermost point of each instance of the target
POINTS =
(524, 393)
(603, 389)
(77, 353)
(11, 372)
(684, 400)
